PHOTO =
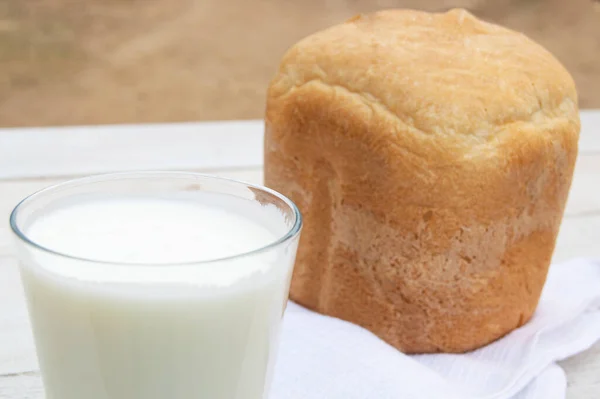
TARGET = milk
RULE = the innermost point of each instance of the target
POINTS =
(158, 325)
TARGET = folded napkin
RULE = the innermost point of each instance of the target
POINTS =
(325, 358)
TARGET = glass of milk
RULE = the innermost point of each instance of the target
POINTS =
(156, 285)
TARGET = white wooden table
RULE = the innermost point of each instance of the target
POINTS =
(31, 159)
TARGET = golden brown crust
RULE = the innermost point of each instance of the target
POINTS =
(431, 155)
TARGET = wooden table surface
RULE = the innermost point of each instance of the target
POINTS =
(31, 159)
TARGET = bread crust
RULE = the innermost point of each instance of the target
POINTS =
(431, 156)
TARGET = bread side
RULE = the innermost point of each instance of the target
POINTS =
(431, 156)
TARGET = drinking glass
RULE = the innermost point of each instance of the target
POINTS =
(204, 329)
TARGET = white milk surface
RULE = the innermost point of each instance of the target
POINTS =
(157, 326)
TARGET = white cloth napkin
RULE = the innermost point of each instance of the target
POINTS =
(325, 358)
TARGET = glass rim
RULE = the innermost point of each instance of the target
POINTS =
(292, 232)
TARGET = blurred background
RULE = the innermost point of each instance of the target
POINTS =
(65, 62)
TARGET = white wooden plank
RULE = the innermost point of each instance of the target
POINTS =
(584, 197)
(76, 151)
(589, 141)
(583, 374)
(17, 352)
(583, 377)
(22, 386)
(578, 238)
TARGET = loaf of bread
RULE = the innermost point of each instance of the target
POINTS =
(431, 156)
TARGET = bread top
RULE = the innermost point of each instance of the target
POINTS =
(447, 75)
